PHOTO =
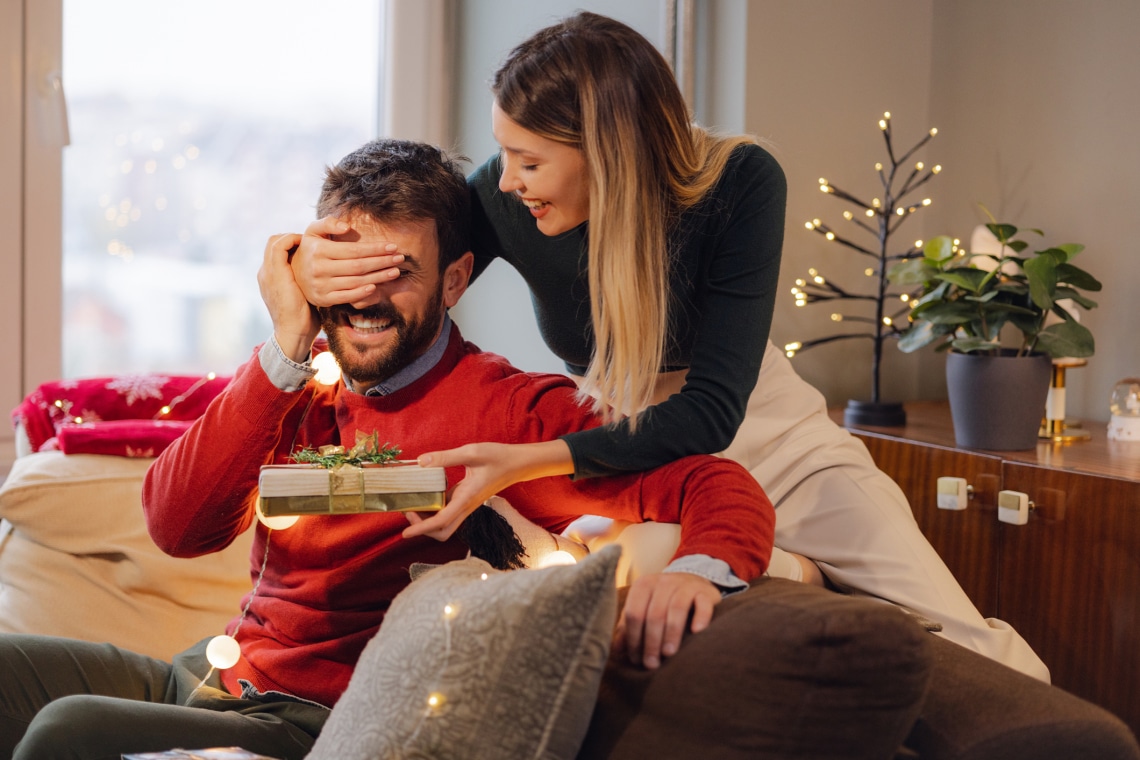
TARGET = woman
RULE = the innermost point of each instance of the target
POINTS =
(652, 248)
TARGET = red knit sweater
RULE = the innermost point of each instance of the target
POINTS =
(330, 579)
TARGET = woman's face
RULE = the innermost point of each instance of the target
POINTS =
(549, 177)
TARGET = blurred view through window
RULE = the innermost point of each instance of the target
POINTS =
(198, 129)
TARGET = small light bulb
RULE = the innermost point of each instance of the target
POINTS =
(900, 211)
(957, 241)
(904, 297)
(223, 652)
(557, 558)
(450, 611)
(926, 201)
(886, 114)
(328, 371)
(848, 215)
(829, 235)
(280, 522)
(918, 166)
(869, 272)
(164, 410)
(882, 124)
(436, 700)
(878, 166)
(870, 212)
(936, 169)
(822, 181)
(809, 225)
(933, 131)
(918, 244)
(78, 420)
(793, 346)
(836, 317)
(483, 577)
(812, 271)
(210, 375)
(800, 282)
(58, 404)
(790, 354)
(876, 202)
(818, 279)
(887, 321)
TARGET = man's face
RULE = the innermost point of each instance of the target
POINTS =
(376, 342)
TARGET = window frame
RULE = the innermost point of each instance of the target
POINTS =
(418, 41)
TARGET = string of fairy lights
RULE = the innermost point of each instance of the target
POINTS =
(224, 651)
(883, 217)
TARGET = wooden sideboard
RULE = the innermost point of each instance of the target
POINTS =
(1069, 580)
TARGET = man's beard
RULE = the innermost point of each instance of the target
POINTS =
(369, 365)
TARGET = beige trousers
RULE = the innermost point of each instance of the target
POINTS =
(834, 506)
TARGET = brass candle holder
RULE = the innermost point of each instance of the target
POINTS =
(1054, 426)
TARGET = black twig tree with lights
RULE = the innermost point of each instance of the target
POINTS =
(883, 218)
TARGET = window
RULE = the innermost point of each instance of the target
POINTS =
(198, 129)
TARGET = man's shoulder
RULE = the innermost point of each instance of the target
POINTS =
(494, 368)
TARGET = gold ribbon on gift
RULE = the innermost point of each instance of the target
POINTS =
(346, 489)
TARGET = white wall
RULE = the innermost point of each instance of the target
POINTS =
(819, 75)
(1039, 103)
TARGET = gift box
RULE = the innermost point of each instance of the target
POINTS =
(309, 489)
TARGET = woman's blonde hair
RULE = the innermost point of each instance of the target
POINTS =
(597, 84)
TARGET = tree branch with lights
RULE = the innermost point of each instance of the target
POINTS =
(880, 218)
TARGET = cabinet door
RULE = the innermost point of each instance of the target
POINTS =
(966, 540)
(1070, 582)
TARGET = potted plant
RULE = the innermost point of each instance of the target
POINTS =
(967, 303)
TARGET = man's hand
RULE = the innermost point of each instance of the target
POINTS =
(656, 611)
(331, 271)
(295, 322)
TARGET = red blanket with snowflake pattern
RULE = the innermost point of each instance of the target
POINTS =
(124, 415)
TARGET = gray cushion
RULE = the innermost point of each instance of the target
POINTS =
(515, 668)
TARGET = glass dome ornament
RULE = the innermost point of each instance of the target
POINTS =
(1124, 424)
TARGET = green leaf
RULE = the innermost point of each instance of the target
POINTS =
(1003, 232)
(1071, 249)
(1068, 293)
(918, 335)
(966, 345)
(1017, 245)
(939, 249)
(1069, 338)
(1058, 255)
(911, 272)
(1077, 277)
(1042, 272)
(965, 278)
(950, 313)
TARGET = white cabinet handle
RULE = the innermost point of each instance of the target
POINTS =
(953, 493)
(1014, 507)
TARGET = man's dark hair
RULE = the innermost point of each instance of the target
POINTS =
(403, 181)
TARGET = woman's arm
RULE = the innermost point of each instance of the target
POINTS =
(735, 295)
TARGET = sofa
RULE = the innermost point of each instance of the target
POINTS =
(785, 670)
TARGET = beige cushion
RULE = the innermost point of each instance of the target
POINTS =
(76, 560)
(516, 668)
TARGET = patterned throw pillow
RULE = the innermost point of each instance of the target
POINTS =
(475, 663)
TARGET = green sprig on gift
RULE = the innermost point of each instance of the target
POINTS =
(367, 450)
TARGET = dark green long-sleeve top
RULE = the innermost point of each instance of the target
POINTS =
(726, 262)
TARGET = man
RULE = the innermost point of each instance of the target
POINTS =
(321, 587)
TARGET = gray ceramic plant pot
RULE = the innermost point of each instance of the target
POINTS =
(997, 402)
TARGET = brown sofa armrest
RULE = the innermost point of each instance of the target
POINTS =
(977, 709)
(784, 670)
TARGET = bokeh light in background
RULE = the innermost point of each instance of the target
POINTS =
(198, 129)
